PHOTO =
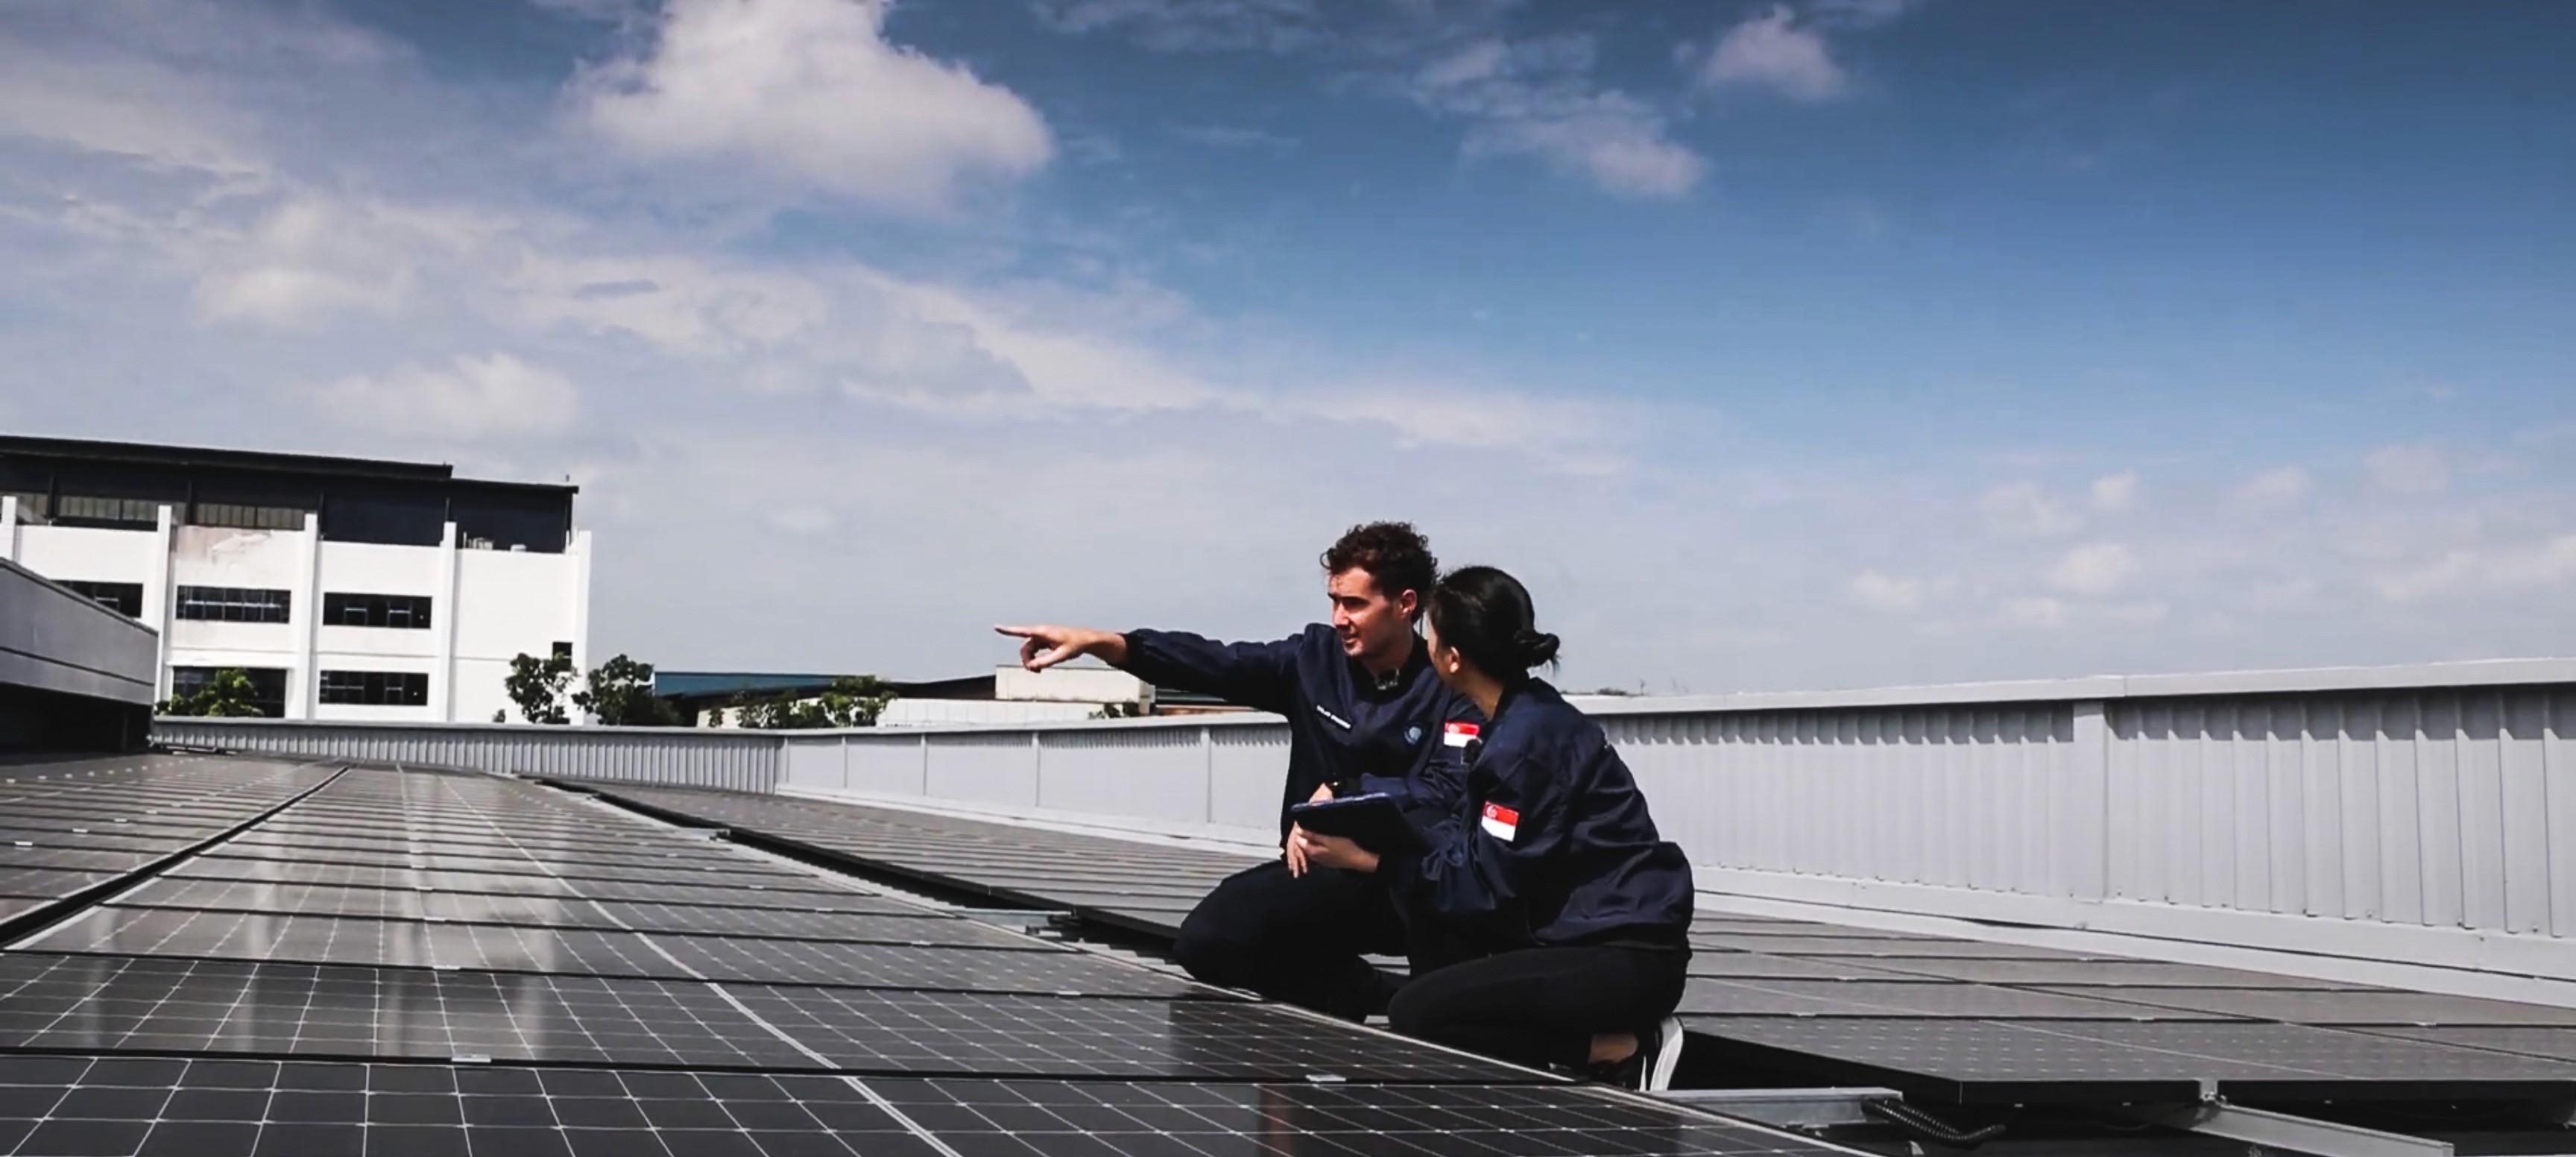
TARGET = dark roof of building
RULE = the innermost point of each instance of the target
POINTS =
(202, 457)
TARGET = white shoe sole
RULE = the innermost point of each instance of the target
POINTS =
(1656, 1075)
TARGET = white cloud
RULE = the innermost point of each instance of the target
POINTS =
(135, 116)
(1769, 50)
(2040, 613)
(2545, 564)
(315, 255)
(2279, 488)
(2116, 492)
(812, 91)
(1536, 98)
(2093, 569)
(678, 304)
(2409, 469)
(472, 397)
(1881, 592)
(2023, 509)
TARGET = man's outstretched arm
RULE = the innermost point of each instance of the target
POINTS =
(1045, 645)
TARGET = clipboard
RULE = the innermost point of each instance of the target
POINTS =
(1372, 821)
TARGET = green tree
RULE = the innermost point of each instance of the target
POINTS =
(619, 693)
(851, 701)
(537, 686)
(225, 693)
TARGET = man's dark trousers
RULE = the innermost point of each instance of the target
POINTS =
(1296, 939)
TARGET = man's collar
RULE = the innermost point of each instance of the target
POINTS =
(1416, 656)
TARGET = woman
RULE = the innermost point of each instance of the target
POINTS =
(1568, 914)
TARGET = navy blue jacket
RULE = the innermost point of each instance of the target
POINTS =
(1343, 728)
(1551, 842)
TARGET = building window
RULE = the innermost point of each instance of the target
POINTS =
(233, 604)
(245, 517)
(350, 610)
(124, 598)
(32, 505)
(113, 513)
(563, 650)
(376, 688)
(267, 686)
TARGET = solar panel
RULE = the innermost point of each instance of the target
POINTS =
(1937, 1000)
(2343, 1008)
(1038, 967)
(637, 869)
(2558, 1044)
(885, 920)
(2105, 974)
(51, 1104)
(2326, 1059)
(991, 1117)
(47, 882)
(111, 862)
(1965, 1060)
(1759, 966)
(931, 969)
(996, 1034)
(343, 875)
(681, 850)
(917, 927)
(94, 1003)
(1975, 1060)
(1865, 946)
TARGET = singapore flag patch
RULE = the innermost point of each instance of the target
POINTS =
(1458, 734)
(1501, 822)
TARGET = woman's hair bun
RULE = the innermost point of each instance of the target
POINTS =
(1537, 648)
(1486, 615)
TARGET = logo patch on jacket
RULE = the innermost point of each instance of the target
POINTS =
(1413, 735)
(1458, 734)
(1501, 822)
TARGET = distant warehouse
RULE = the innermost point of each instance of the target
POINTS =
(346, 588)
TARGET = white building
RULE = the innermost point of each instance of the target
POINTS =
(348, 589)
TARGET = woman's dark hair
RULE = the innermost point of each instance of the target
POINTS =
(1396, 557)
(1485, 614)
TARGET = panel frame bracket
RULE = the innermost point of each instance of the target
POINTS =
(1815, 1108)
(2267, 1130)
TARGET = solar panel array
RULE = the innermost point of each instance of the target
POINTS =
(262, 957)
(1940, 1018)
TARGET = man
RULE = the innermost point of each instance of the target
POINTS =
(1365, 713)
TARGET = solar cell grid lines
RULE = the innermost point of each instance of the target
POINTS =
(885, 920)
(1245, 1120)
(1004, 1034)
(135, 1106)
(1034, 966)
(86, 1003)
(47, 882)
(1146, 886)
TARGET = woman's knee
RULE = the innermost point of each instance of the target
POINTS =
(1416, 1011)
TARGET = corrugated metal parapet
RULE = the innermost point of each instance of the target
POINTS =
(2421, 814)
(736, 760)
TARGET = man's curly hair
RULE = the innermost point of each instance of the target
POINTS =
(1396, 557)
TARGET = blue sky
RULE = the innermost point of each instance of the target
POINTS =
(1826, 343)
